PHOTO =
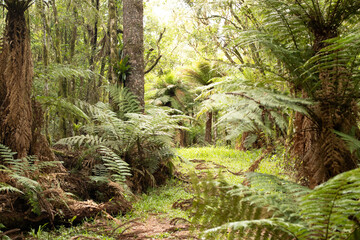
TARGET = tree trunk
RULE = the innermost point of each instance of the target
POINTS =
(182, 136)
(45, 57)
(133, 39)
(113, 41)
(57, 34)
(93, 88)
(215, 129)
(63, 88)
(208, 127)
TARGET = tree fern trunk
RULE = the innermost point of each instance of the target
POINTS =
(16, 73)
(323, 154)
(21, 118)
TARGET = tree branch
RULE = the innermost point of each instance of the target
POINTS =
(154, 65)
(159, 52)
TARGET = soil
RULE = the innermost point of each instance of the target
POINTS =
(157, 226)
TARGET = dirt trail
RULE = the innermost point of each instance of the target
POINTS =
(157, 227)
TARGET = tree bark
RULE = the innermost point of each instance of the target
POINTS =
(94, 86)
(133, 39)
(45, 58)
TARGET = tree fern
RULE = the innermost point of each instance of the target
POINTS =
(246, 108)
(308, 48)
(141, 140)
(115, 166)
(287, 210)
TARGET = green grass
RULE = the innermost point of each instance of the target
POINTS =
(65, 233)
(234, 160)
(160, 200)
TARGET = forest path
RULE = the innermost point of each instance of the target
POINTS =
(165, 225)
(162, 212)
(157, 227)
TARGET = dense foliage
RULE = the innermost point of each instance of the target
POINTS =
(272, 208)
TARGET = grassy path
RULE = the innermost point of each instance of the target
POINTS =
(161, 213)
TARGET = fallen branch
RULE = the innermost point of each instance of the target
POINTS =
(84, 237)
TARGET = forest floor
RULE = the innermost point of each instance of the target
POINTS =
(163, 212)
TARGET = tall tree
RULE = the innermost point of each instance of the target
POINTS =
(133, 39)
(113, 40)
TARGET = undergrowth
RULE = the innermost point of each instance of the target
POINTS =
(157, 202)
(24, 174)
(160, 201)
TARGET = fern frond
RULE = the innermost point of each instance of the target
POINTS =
(99, 179)
(6, 154)
(337, 201)
(260, 230)
(115, 164)
(27, 183)
(126, 101)
(143, 138)
(63, 106)
(91, 140)
(278, 208)
(352, 142)
(255, 109)
(57, 71)
(8, 188)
